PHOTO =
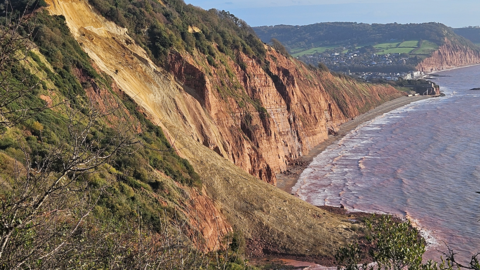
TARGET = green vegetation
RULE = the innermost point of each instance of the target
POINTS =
(396, 50)
(386, 46)
(277, 45)
(211, 37)
(391, 244)
(396, 47)
(87, 181)
(409, 44)
(407, 47)
(353, 34)
(470, 33)
(426, 48)
(301, 52)
(169, 25)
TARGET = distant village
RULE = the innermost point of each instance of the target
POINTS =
(375, 76)
(367, 65)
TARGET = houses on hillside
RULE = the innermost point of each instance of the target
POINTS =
(357, 60)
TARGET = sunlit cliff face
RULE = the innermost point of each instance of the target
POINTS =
(299, 105)
(449, 56)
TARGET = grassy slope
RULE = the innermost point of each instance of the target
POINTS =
(300, 52)
(471, 33)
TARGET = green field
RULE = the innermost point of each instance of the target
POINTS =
(396, 50)
(298, 52)
(409, 44)
(426, 48)
(397, 47)
(386, 46)
(408, 47)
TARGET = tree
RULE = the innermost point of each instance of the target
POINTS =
(279, 46)
(50, 197)
(394, 245)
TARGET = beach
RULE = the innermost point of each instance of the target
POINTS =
(288, 179)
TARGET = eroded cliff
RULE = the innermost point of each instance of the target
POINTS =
(450, 55)
(232, 117)
(272, 114)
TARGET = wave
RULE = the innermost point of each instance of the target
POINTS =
(427, 234)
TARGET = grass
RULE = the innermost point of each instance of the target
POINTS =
(409, 44)
(312, 51)
(386, 46)
(297, 50)
(397, 47)
(427, 48)
(397, 50)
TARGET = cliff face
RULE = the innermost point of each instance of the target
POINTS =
(293, 107)
(254, 117)
(448, 56)
(258, 117)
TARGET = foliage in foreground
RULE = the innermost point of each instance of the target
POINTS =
(394, 245)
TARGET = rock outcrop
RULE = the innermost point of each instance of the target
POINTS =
(449, 55)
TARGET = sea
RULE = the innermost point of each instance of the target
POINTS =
(420, 162)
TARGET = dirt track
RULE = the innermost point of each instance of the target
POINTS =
(288, 179)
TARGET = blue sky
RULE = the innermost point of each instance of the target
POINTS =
(454, 13)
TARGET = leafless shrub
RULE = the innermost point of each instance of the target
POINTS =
(50, 199)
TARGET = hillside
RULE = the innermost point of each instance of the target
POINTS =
(257, 99)
(470, 33)
(212, 115)
(374, 47)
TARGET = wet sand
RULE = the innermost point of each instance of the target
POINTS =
(287, 180)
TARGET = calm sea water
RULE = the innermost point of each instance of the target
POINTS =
(420, 162)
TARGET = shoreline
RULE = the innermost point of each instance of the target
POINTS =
(287, 180)
(449, 69)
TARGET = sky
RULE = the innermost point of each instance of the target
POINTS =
(453, 13)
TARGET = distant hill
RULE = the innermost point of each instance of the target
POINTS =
(365, 47)
(296, 38)
(470, 33)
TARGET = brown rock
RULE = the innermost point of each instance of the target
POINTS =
(449, 56)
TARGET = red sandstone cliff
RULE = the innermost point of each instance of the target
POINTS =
(301, 106)
(255, 114)
(448, 56)
(259, 114)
